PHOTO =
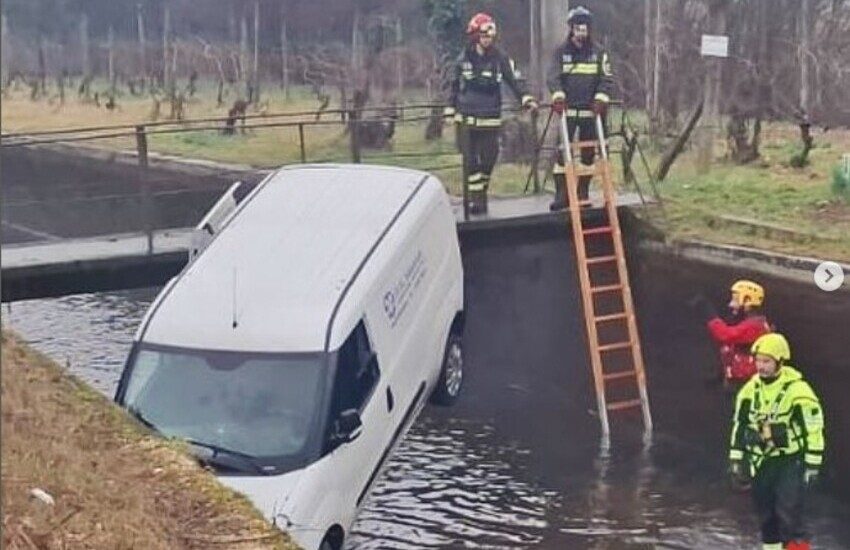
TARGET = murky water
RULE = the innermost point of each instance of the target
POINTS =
(479, 475)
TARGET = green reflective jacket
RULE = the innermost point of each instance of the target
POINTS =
(783, 417)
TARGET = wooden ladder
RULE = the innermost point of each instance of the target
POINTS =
(590, 293)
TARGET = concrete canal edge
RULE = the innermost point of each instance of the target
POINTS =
(76, 468)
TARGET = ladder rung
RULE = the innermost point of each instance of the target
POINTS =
(618, 375)
(618, 345)
(607, 288)
(598, 230)
(583, 144)
(584, 203)
(612, 317)
(585, 170)
(617, 405)
(601, 259)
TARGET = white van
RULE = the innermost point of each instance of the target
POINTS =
(297, 348)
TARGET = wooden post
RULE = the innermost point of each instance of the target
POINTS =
(146, 207)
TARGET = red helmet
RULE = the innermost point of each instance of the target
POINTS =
(481, 23)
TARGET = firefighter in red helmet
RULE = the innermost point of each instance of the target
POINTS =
(476, 104)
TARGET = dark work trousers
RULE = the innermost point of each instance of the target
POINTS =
(586, 127)
(779, 493)
(480, 149)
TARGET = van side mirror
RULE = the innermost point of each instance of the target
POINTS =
(348, 426)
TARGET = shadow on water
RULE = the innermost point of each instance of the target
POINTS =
(517, 462)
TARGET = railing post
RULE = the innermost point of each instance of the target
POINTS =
(301, 142)
(146, 207)
(354, 122)
(535, 162)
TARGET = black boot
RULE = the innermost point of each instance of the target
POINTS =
(560, 201)
(478, 202)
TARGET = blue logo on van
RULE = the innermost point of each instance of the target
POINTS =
(389, 304)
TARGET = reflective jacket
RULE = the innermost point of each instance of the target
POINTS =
(476, 92)
(579, 76)
(735, 340)
(780, 418)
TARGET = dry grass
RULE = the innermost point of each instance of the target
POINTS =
(114, 485)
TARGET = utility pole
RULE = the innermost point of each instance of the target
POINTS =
(536, 57)
(711, 86)
(805, 49)
(166, 32)
(656, 65)
(84, 45)
(399, 64)
(110, 41)
(256, 71)
(4, 47)
(284, 52)
(140, 27)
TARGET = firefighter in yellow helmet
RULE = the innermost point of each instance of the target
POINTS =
(777, 443)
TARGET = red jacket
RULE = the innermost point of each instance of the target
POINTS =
(735, 341)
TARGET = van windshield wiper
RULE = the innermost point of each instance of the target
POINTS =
(228, 458)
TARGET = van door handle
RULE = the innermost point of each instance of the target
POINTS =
(390, 399)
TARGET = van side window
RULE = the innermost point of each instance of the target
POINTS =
(357, 372)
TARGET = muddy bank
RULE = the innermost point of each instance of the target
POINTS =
(112, 485)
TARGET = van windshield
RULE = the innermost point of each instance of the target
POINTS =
(259, 408)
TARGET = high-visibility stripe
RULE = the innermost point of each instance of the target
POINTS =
(488, 122)
(580, 113)
(468, 75)
(771, 546)
(580, 68)
(477, 187)
(813, 459)
(449, 111)
(736, 454)
(559, 169)
(487, 74)
(600, 96)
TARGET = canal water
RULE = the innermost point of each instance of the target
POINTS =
(516, 464)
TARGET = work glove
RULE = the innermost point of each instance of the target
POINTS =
(702, 306)
(811, 476)
(529, 103)
(739, 473)
(559, 106)
(599, 108)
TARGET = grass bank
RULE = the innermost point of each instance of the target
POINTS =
(113, 485)
(765, 204)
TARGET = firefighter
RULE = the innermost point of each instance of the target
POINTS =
(777, 443)
(580, 81)
(476, 104)
(747, 323)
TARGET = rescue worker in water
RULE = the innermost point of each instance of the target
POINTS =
(777, 443)
(735, 336)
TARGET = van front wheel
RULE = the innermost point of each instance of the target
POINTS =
(451, 374)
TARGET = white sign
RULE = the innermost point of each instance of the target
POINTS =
(715, 45)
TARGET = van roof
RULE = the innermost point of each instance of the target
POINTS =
(280, 265)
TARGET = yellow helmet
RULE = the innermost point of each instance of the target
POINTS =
(747, 293)
(773, 345)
